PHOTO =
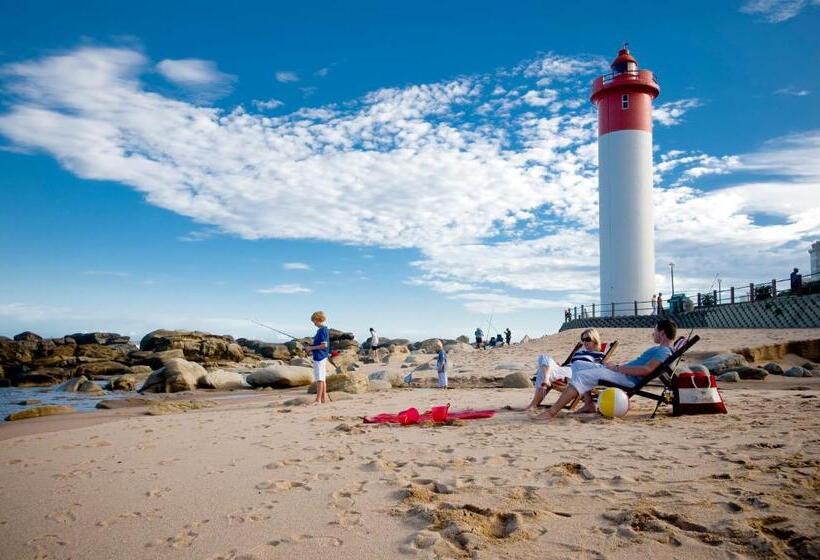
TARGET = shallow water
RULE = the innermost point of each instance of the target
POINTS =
(10, 396)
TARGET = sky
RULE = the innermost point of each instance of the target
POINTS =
(421, 168)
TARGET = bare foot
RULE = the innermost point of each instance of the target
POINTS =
(546, 416)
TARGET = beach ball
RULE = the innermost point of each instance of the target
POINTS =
(613, 403)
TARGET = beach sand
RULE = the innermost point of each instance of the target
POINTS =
(257, 478)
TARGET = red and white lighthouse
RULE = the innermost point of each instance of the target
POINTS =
(626, 227)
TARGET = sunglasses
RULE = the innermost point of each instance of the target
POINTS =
(586, 339)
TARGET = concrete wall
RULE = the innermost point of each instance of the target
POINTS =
(776, 313)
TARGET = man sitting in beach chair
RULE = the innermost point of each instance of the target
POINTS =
(586, 375)
(550, 375)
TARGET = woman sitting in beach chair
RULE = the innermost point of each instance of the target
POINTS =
(549, 374)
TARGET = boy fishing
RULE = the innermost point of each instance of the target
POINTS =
(320, 350)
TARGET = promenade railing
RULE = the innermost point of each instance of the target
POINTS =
(681, 302)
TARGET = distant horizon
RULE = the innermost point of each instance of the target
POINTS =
(421, 175)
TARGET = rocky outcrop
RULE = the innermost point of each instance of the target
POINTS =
(351, 382)
(200, 347)
(123, 383)
(517, 380)
(38, 411)
(93, 369)
(773, 368)
(797, 371)
(175, 376)
(752, 373)
(280, 377)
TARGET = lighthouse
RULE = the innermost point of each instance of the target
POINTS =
(626, 227)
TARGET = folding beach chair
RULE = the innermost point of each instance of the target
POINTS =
(608, 349)
(663, 372)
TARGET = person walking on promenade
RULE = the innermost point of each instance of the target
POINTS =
(659, 304)
(795, 281)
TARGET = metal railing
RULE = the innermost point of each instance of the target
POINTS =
(810, 283)
(632, 74)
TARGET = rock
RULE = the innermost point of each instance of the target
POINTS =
(102, 338)
(141, 372)
(72, 385)
(796, 371)
(90, 387)
(176, 375)
(38, 411)
(729, 377)
(59, 356)
(394, 379)
(270, 350)
(463, 338)
(29, 336)
(16, 353)
(200, 347)
(724, 362)
(442, 488)
(222, 380)
(811, 366)
(517, 380)
(39, 378)
(281, 377)
(336, 396)
(525, 339)
(102, 352)
(773, 368)
(123, 383)
(429, 346)
(351, 382)
(378, 385)
(344, 345)
(752, 373)
(29, 402)
(124, 403)
(343, 361)
(426, 539)
(300, 361)
(102, 368)
(459, 348)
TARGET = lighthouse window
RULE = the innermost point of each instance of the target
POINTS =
(625, 101)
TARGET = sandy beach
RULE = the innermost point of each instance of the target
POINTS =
(265, 476)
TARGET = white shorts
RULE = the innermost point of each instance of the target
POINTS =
(556, 372)
(320, 370)
(585, 377)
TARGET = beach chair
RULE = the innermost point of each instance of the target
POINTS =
(663, 372)
(608, 349)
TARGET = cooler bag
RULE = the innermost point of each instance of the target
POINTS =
(696, 392)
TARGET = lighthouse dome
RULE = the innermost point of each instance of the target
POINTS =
(624, 62)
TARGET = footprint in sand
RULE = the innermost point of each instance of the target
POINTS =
(183, 539)
(63, 516)
(281, 485)
(157, 492)
(320, 540)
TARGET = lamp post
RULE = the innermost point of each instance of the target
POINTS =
(720, 296)
(672, 273)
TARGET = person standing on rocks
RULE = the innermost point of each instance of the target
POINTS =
(321, 351)
(479, 337)
(374, 343)
(441, 365)
(508, 335)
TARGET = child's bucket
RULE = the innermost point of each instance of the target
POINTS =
(440, 412)
(409, 416)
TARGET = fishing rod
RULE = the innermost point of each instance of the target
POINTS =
(274, 330)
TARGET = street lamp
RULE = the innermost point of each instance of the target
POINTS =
(672, 273)
(720, 296)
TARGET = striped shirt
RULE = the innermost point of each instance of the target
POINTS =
(585, 356)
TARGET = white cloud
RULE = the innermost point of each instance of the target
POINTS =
(321, 72)
(671, 112)
(197, 235)
(191, 72)
(776, 11)
(494, 193)
(296, 266)
(285, 289)
(286, 77)
(794, 91)
(114, 273)
(267, 105)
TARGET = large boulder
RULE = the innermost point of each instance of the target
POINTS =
(154, 360)
(350, 382)
(518, 380)
(728, 377)
(774, 368)
(39, 378)
(72, 385)
(343, 361)
(197, 346)
(269, 350)
(752, 373)
(90, 387)
(280, 377)
(102, 368)
(29, 336)
(56, 356)
(102, 352)
(459, 348)
(38, 411)
(14, 354)
(123, 383)
(222, 380)
(101, 338)
(463, 338)
(797, 371)
(724, 362)
(175, 376)
(395, 379)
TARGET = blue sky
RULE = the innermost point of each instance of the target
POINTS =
(416, 168)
